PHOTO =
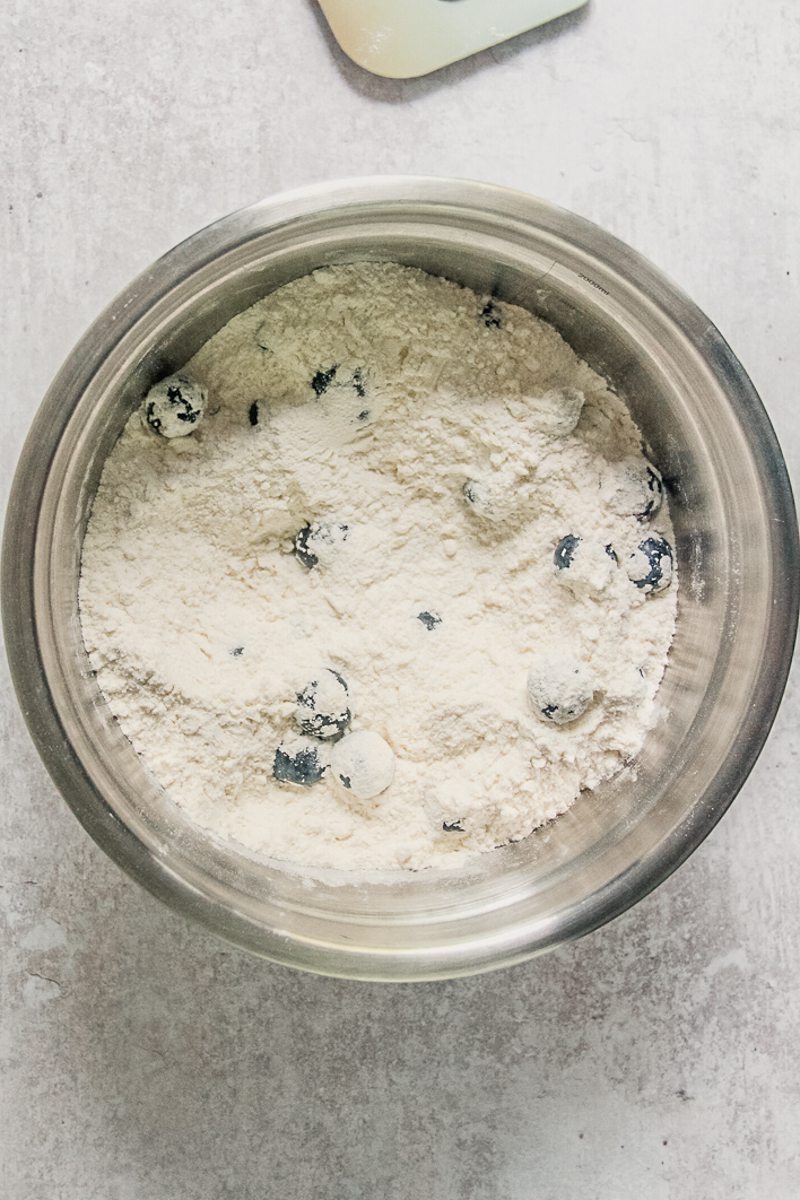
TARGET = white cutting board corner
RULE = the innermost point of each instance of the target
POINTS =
(401, 39)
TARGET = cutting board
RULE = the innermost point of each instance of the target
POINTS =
(401, 39)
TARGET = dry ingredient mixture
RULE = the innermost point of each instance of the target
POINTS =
(381, 578)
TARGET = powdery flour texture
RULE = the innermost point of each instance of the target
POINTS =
(433, 476)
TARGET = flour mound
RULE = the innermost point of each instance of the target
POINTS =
(377, 490)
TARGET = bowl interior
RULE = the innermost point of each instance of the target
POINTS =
(690, 399)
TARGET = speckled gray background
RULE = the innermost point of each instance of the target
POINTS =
(139, 1058)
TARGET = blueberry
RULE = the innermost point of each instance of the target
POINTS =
(237, 651)
(323, 380)
(650, 565)
(654, 495)
(560, 688)
(358, 386)
(452, 826)
(557, 412)
(345, 384)
(315, 543)
(252, 413)
(612, 554)
(490, 314)
(175, 406)
(302, 540)
(322, 709)
(363, 763)
(298, 762)
(565, 551)
(585, 568)
(489, 500)
(638, 489)
(429, 620)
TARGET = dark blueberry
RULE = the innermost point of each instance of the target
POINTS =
(363, 415)
(429, 620)
(311, 538)
(654, 493)
(344, 780)
(471, 492)
(301, 547)
(322, 708)
(549, 711)
(611, 552)
(650, 566)
(252, 413)
(323, 380)
(358, 385)
(452, 827)
(565, 551)
(490, 315)
(237, 651)
(300, 766)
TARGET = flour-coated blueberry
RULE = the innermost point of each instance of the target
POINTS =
(322, 708)
(564, 553)
(175, 406)
(491, 314)
(560, 688)
(363, 763)
(650, 566)
(318, 543)
(338, 377)
(298, 761)
(583, 565)
(637, 489)
(654, 494)
(489, 500)
(557, 412)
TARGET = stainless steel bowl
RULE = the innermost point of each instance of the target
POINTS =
(737, 547)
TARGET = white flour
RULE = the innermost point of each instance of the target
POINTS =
(444, 445)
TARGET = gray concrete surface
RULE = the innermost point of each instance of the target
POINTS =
(139, 1058)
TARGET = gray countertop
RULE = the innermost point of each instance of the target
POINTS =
(139, 1058)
